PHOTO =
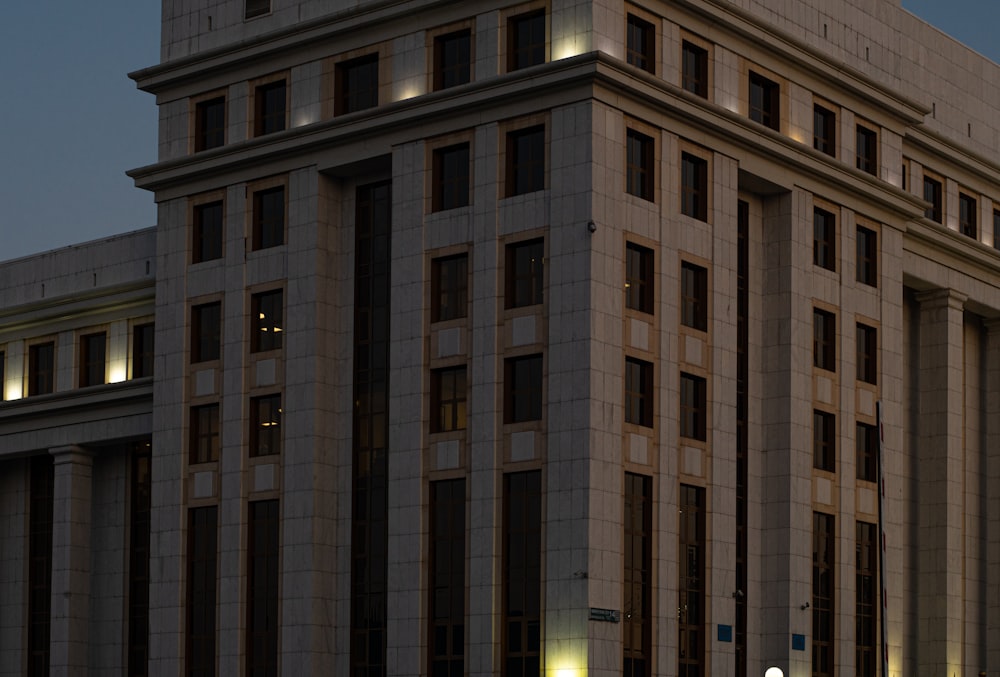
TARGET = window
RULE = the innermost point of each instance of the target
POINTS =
(207, 232)
(866, 451)
(824, 440)
(694, 186)
(823, 595)
(269, 217)
(204, 430)
(824, 130)
(142, 350)
(867, 360)
(139, 520)
(694, 296)
(525, 273)
(693, 407)
(448, 398)
(638, 392)
(824, 340)
(42, 489)
(765, 101)
(446, 599)
(526, 40)
(210, 123)
(201, 590)
(867, 265)
(522, 575)
(357, 84)
(206, 337)
(637, 576)
(449, 287)
(933, 194)
(266, 321)
(3, 383)
(452, 59)
(640, 50)
(450, 177)
(639, 163)
(262, 588)
(523, 389)
(269, 108)
(526, 160)
(93, 349)
(968, 219)
(691, 587)
(996, 229)
(638, 278)
(866, 595)
(257, 8)
(824, 239)
(41, 368)
(867, 150)
(694, 69)
(265, 425)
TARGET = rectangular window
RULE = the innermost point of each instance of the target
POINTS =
(206, 244)
(206, 332)
(638, 392)
(933, 194)
(266, 318)
(691, 586)
(866, 451)
(824, 130)
(262, 588)
(41, 368)
(525, 273)
(210, 123)
(357, 84)
(694, 296)
(693, 411)
(138, 567)
(824, 239)
(449, 288)
(450, 177)
(638, 278)
(694, 186)
(446, 601)
(996, 229)
(867, 265)
(824, 440)
(257, 8)
(526, 40)
(694, 69)
(522, 574)
(201, 590)
(265, 425)
(867, 150)
(40, 564)
(523, 389)
(269, 217)
(866, 597)
(204, 428)
(448, 399)
(968, 218)
(765, 101)
(93, 359)
(639, 165)
(637, 576)
(269, 108)
(867, 359)
(526, 160)
(452, 59)
(824, 340)
(823, 595)
(142, 350)
(640, 45)
(3, 381)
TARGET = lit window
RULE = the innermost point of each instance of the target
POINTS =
(526, 40)
(525, 273)
(266, 321)
(639, 163)
(452, 59)
(265, 425)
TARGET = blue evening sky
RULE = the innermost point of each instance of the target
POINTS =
(71, 122)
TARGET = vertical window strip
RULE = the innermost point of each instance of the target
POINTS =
(446, 603)
(138, 569)
(636, 595)
(691, 586)
(522, 586)
(262, 588)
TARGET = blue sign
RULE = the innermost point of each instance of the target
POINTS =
(725, 633)
(798, 642)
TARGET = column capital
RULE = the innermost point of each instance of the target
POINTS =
(71, 453)
(940, 298)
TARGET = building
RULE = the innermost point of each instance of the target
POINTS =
(522, 339)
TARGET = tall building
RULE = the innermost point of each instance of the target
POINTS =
(528, 339)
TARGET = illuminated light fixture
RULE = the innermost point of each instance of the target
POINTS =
(261, 316)
(410, 91)
(13, 391)
(566, 48)
(774, 671)
(118, 372)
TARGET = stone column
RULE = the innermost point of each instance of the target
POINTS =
(992, 416)
(70, 618)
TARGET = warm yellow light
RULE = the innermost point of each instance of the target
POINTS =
(409, 91)
(567, 672)
(261, 315)
(13, 391)
(305, 117)
(567, 47)
(117, 373)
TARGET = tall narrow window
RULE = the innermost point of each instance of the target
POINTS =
(265, 425)
(867, 150)
(206, 241)
(3, 381)
(867, 358)
(448, 398)
(525, 160)
(204, 434)
(824, 340)
(996, 228)
(694, 186)
(866, 596)
(823, 595)
(266, 321)
(765, 101)
(210, 123)
(867, 250)
(638, 392)
(636, 593)
(691, 586)
(866, 451)
(933, 194)
(256, 8)
(357, 87)
(824, 440)
(824, 130)
(522, 575)
(639, 164)
(694, 69)
(523, 389)
(269, 217)
(742, 425)
(201, 590)
(640, 45)
(206, 332)
(526, 40)
(824, 239)
(968, 218)
(449, 287)
(639, 283)
(450, 177)
(142, 350)
(693, 407)
(452, 59)
(138, 568)
(269, 108)
(446, 603)
(40, 564)
(93, 359)
(694, 296)
(262, 588)
(41, 368)
(524, 273)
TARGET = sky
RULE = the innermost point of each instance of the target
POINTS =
(72, 123)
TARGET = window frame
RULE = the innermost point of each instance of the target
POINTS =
(824, 440)
(42, 382)
(207, 245)
(866, 149)
(639, 392)
(640, 278)
(255, 8)
(268, 442)
(440, 181)
(698, 82)
(265, 120)
(866, 441)
(693, 413)
(694, 300)
(824, 339)
(442, 288)
(518, 170)
(205, 136)
(199, 339)
(824, 129)
(440, 67)
(267, 232)
(768, 111)
(642, 55)
(935, 187)
(352, 99)
(524, 403)
(515, 278)
(695, 186)
(92, 367)
(866, 264)
(866, 343)
(968, 206)
(514, 50)
(640, 164)
(449, 407)
(263, 581)
(266, 335)
(825, 248)
(204, 431)
(139, 355)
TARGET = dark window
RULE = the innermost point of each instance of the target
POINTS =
(449, 287)
(996, 229)
(639, 161)
(266, 321)
(210, 123)
(765, 101)
(257, 8)
(448, 398)
(694, 69)
(446, 601)
(201, 589)
(866, 577)
(694, 296)
(933, 194)
(265, 425)
(522, 574)
(204, 434)
(638, 278)
(93, 352)
(526, 160)
(40, 564)
(867, 150)
(525, 273)
(452, 59)
(824, 239)
(968, 218)
(867, 360)
(269, 108)
(742, 549)
(824, 340)
(824, 130)
(41, 368)
(262, 588)
(523, 381)
(866, 451)
(142, 350)
(206, 243)
(693, 412)
(450, 177)
(823, 595)
(824, 440)
(867, 265)
(640, 48)
(694, 186)
(269, 217)
(691, 585)
(138, 568)
(526, 40)
(638, 392)
(3, 381)
(206, 332)
(636, 583)
(358, 84)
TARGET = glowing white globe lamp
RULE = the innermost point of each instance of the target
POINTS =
(774, 671)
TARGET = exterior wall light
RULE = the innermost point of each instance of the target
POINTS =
(774, 671)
